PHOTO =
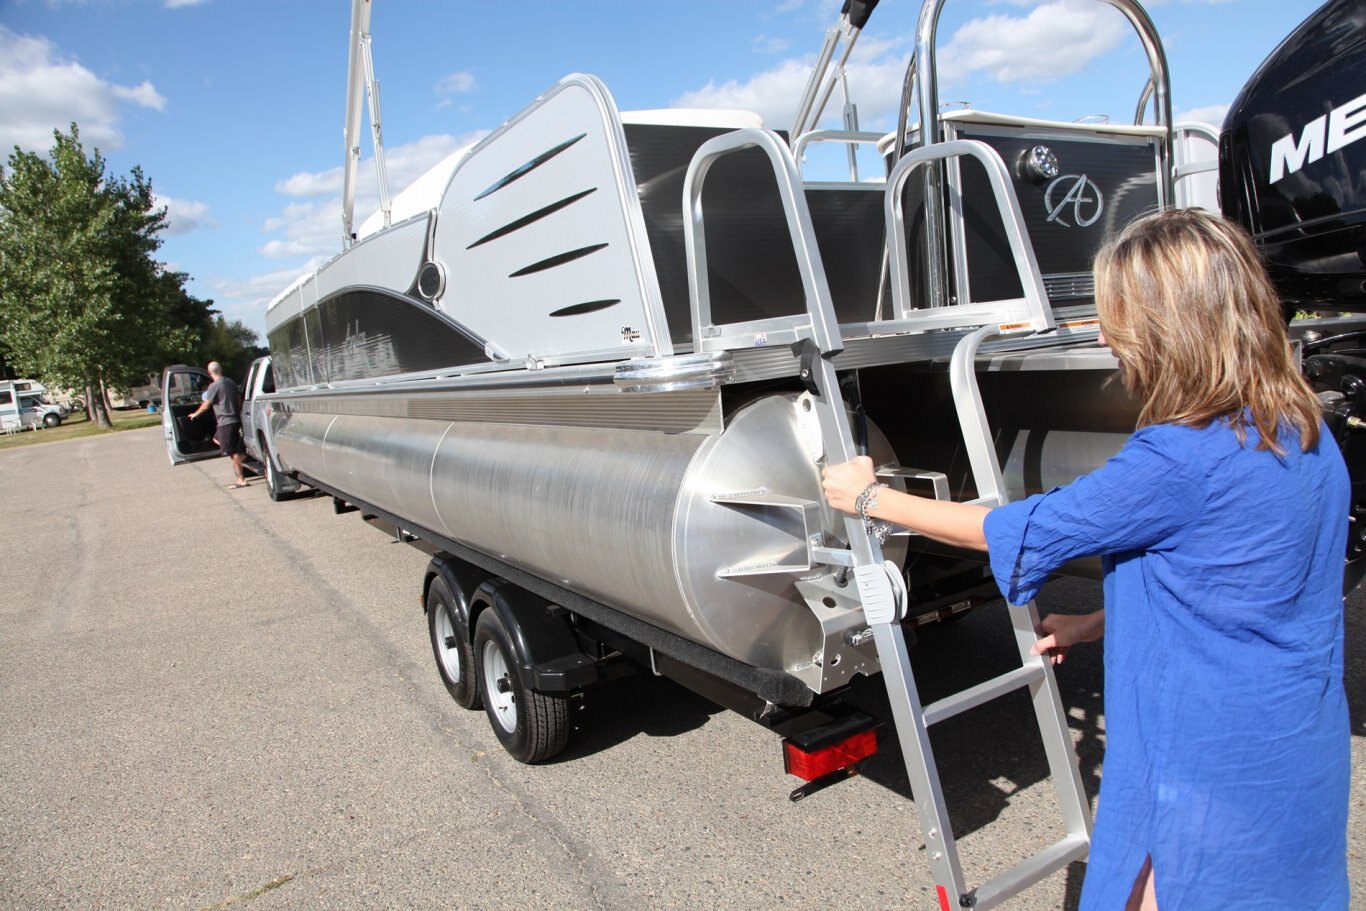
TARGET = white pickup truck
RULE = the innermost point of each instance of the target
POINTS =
(188, 440)
(256, 410)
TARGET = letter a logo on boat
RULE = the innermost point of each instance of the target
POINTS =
(1077, 191)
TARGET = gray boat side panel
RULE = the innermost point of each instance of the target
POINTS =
(370, 333)
(286, 308)
(536, 235)
(387, 259)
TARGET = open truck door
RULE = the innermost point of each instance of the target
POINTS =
(187, 439)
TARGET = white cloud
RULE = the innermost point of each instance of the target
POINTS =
(875, 72)
(312, 183)
(1048, 42)
(144, 94)
(772, 94)
(311, 225)
(182, 4)
(1053, 40)
(306, 229)
(1212, 114)
(245, 298)
(184, 215)
(405, 164)
(40, 91)
(765, 44)
(456, 83)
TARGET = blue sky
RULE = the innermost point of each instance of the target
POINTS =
(234, 108)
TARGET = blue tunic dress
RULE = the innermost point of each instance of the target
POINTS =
(1228, 746)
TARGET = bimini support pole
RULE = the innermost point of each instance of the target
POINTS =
(821, 85)
(361, 84)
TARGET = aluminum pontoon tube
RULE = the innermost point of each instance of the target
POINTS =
(707, 535)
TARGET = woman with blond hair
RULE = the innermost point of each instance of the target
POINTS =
(1222, 530)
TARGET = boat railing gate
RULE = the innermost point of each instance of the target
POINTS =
(921, 88)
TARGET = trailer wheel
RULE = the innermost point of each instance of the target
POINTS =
(531, 725)
(52, 420)
(451, 645)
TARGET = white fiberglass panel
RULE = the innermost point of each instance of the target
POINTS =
(389, 260)
(541, 236)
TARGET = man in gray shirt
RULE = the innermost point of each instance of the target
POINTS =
(225, 399)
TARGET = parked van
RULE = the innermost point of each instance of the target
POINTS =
(24, 404)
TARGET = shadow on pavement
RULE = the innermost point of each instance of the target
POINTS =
(621, 710)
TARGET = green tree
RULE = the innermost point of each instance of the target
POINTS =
(233, 344)
(83, 302)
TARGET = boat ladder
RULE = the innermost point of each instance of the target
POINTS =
(1034, 673)
(815, 338)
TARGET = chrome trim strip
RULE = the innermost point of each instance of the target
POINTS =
(696, 371)
(686, 411)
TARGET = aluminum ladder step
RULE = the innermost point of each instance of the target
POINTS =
(982, 693)
(1024, 874)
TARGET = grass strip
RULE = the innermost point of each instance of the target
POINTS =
(77, 427)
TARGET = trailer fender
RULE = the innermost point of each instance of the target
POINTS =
(548, 658)
(461, 578)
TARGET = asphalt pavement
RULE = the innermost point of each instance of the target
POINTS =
(210, 700)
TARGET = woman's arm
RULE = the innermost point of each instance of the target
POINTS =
(958, 524)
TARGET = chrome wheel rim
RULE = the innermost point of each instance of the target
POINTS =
(447, 647)
(498, 688)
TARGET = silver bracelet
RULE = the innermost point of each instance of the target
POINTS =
(868, 500)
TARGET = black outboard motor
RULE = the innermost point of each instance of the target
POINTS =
(1292, 160)
(1292, 170)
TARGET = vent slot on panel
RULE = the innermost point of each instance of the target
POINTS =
(528, 167)
(532, 218)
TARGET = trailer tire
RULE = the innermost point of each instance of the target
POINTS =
(451, 645)
(51, 420)
(532, 726)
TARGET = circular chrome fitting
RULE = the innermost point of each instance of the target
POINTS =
(431, 281)
(1038, 164)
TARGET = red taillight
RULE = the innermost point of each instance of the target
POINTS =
(813, 763)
